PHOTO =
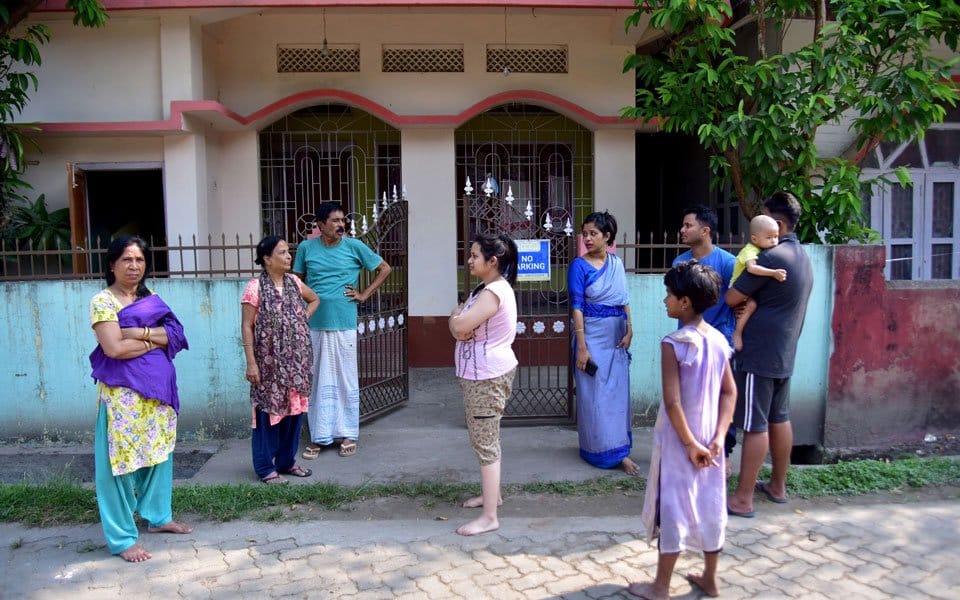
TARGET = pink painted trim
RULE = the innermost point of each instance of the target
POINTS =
(110, 5)
(287, 105)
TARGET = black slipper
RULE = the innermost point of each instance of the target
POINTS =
(762, 488)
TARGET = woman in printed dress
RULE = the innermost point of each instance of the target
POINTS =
(137, 337)
(275, 308)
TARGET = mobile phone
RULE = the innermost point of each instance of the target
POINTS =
(590, 368)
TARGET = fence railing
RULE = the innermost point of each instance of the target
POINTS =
(221, 257)
(647, 254)
(215, 257)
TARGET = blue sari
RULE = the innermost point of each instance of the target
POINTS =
(603, 400)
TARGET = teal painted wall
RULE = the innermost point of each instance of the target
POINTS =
(46, 339)
(809, 383)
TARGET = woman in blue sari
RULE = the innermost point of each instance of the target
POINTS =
(601, 342)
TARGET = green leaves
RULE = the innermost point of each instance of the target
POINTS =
(758, 120)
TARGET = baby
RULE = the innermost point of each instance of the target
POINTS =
(764, 234)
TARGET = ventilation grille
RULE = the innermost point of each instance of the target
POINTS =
(540, 59)
(433, 59)
(313, 59)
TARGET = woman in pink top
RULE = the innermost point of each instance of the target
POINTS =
(484, 327)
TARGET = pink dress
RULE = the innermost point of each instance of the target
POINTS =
(685, 505)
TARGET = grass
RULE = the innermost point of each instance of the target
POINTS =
(61, 501)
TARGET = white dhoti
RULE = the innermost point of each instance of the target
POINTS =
(335, 402)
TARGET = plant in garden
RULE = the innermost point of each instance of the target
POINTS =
(33, 223)
(19, 51)
(757, 117)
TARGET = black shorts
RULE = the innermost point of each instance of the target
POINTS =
(760, 401)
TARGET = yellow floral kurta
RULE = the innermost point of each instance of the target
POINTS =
(142, 431)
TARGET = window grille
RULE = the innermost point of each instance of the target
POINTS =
(519, 59)
(435, 59)
(316, 59)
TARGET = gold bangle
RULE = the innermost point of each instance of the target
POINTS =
(146, 332)
(576, 330)
(248, 345)
(146, 344)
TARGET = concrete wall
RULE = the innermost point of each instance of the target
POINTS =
(45, 341)
(809, 383)
(895, 371)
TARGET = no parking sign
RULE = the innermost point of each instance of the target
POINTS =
(533, 260)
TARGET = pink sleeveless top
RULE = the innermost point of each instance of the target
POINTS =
(489, 353)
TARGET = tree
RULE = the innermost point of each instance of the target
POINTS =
(757, 117)
(20, 50)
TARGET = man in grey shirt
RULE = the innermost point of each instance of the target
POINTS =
(764, 367)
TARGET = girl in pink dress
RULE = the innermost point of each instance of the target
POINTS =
(686, 499)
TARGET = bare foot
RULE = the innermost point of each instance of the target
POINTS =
(171, 527)
(707, 587)
(478, 526)
(738, 507)
(477, 502)
(646, 590)
(135, 553)
(630, 467)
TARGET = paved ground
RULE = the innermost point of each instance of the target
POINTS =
(872, 551)
(547, 547)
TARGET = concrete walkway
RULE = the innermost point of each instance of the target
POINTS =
(868, 552)
(546, 548)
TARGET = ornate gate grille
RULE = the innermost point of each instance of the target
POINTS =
(530, 174)
(342, 154)
(382, 322)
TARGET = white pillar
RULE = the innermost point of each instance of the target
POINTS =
(429, 172)
(184, 190)
(181, 60)
(614, 182)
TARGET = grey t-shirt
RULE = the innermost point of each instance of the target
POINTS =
(770, 337)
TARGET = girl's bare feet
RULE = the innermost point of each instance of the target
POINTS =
(135, 553)
(646, 590)
(630, 467)
(707, 587)
(477, 502)
(478, 526)
(171, 527)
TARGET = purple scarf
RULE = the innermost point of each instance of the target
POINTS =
(151, 375)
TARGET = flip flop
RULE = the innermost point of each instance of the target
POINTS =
(745, 515)
(762, 488)
(312, 451)
(348, 448)
(274, 479)
(298, 471)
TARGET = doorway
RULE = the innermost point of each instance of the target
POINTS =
(118, 200)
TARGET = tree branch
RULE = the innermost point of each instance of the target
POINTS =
(18, 12)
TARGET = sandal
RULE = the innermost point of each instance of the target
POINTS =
(274, 479)
(348, 448)
(298, 471)
(312, 451)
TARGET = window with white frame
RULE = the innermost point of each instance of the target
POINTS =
(919, 223)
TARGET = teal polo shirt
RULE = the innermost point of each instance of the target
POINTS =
(328, 270)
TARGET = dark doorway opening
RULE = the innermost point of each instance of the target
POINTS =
(127, 202)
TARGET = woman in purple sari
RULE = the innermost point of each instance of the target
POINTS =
(601, 341)
(137, 337)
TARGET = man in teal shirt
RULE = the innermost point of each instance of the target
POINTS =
(330, 265)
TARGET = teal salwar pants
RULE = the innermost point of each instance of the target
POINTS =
(147, 491)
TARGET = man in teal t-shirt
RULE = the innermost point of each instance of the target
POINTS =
(330, 265)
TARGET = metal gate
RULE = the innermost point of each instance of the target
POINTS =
(342, 154)
(543, 388)
(382, 319)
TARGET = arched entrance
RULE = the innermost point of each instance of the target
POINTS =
(337, 153)
(531, 174)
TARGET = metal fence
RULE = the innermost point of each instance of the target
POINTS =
(221, 256)
(214, 257)
(647, 254)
